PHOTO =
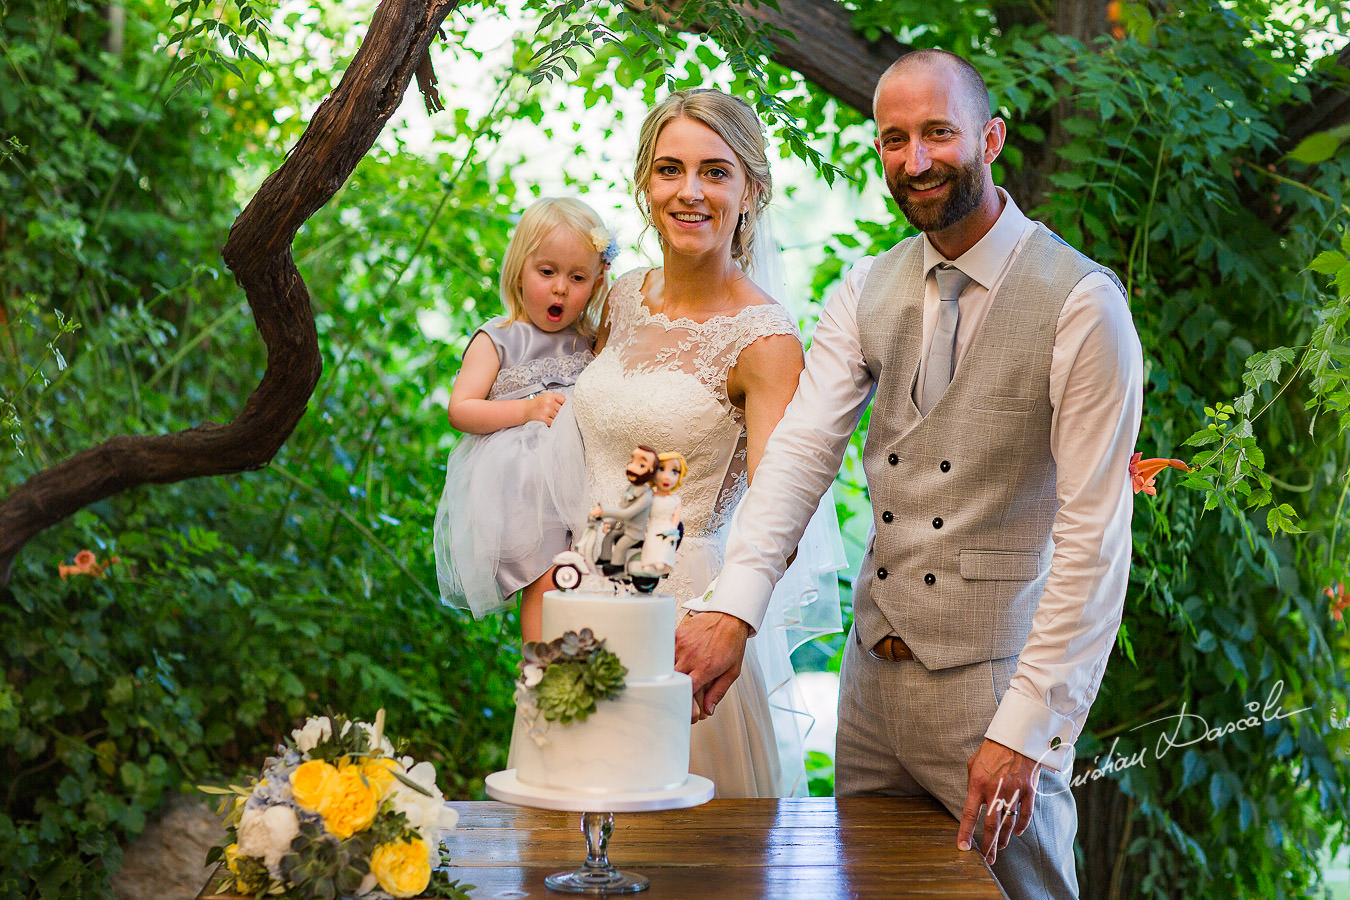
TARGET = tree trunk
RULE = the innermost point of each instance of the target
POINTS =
(1104, 815)
(821, 44)
(258, 251)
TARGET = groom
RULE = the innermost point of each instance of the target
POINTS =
(1007, 381)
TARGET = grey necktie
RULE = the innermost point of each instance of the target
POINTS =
(951, 282)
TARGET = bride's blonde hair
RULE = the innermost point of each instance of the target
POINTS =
(735, 122)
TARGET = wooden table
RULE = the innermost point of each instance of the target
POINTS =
(797, 849)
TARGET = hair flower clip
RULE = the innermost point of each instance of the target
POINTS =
(605, 244)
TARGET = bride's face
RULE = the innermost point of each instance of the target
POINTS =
(698, 189)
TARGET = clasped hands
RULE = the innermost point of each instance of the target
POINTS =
(709, 648)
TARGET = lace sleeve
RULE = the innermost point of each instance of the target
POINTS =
(739, 332)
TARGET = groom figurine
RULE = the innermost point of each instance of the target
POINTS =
(628, 520)
(1005, 379)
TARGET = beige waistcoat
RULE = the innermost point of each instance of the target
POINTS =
(963, 499)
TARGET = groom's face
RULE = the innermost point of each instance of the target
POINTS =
(934, 150)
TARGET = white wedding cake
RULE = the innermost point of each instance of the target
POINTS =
(635, 741)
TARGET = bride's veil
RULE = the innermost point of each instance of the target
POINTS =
(805, 603)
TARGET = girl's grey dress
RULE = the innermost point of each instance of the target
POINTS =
(499, 523)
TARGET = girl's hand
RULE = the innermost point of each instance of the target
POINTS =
(544, 407)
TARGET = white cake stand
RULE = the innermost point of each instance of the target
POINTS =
(596, 875)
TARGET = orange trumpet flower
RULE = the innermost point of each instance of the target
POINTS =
(1143, 471)
(1339, 601)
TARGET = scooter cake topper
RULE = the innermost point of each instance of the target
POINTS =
(630, 546)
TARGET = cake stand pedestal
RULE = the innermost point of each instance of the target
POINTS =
(597, 875)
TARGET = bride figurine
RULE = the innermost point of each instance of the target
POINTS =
(664, 529)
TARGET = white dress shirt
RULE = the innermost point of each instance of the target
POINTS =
(1096, 377)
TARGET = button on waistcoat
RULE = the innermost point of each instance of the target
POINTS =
(963, 498)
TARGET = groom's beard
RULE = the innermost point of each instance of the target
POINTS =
(963, 198)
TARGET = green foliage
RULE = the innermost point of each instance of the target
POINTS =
(242, 604)
(1225, 610)
(332, 868)
(819, 774)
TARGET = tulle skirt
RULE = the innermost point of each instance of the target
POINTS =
(499, 525)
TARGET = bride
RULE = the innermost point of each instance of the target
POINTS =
(694, 358)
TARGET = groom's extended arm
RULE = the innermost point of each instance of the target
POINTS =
(799, 463)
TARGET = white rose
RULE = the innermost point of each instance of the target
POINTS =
(318, 728)
(427, 814)
(267, 832)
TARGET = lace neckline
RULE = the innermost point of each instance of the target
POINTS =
(645, 313)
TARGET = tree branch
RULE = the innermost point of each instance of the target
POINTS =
(821, 44)
(258, 251)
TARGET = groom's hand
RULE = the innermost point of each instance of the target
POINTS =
(709, 648)
(1004, 782)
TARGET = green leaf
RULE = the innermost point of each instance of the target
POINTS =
(1283, 519)
(1316, 148)
(1329, 262)
(1219, 794)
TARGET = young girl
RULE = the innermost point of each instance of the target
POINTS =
(499, 523)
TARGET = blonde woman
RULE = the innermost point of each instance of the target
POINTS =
(693, 357)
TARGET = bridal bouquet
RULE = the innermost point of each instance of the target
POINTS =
(337, 814)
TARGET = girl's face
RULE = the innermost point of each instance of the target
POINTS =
(668, 475)
(559, 279)
(697, 191)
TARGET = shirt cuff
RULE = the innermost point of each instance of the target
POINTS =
(743, 593)
(1027, 726)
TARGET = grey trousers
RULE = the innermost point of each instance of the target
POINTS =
(905, 731)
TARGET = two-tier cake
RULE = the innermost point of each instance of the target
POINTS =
(637, 740)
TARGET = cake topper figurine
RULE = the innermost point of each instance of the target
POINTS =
(664, 528)
(630, 545)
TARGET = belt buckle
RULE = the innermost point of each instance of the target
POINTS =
(873, 651)
(889, 640)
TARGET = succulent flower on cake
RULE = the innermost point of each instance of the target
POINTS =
(337, 813)
(563, 680)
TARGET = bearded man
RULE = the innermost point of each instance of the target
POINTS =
(1005, 378)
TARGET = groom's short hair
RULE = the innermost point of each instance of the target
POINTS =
(975, 94)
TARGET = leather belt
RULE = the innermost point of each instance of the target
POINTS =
(892, 649)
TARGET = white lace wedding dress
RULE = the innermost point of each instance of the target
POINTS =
(664, 383)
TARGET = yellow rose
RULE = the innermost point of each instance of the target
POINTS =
(380, 773)
(312, 783)
(351, 805)
(403, 869)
